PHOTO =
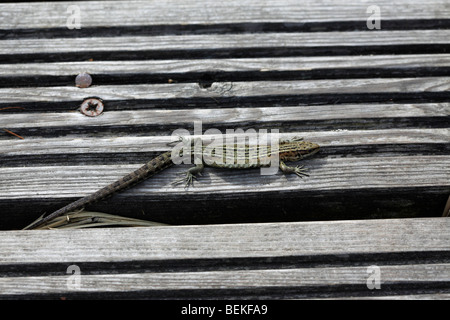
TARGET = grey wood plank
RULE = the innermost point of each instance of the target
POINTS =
(350, 173)
(55, 251)
(85, 143)
(312, 239)
(129, 13)
(316, 238)
(221, 116)
(228, 65)
(225, 89)
(232, 241)
(220, 280)
(223, 41)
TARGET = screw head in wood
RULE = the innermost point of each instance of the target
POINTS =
(92, 107)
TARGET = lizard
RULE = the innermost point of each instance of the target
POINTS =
(288, 150)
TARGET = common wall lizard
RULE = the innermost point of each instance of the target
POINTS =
(288, 150)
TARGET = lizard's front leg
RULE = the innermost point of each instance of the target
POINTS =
(298, 170)
(191, 175)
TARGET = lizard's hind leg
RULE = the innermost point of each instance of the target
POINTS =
(191, 175)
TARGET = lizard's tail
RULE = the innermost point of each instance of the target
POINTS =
(152, 167)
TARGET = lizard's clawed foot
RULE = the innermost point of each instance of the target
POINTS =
(298, 170)
(301, 171)
(188, 179)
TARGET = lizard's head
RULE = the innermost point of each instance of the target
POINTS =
(295, 151)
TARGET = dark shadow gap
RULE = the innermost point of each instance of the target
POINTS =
(286, 206)
(251, 52)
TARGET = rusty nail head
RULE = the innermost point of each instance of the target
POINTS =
(83, 80)
(92, 107)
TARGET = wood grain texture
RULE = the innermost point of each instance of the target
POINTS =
(326, 174)
(73, 145)
(169, 67)
(278, 260)
(218, 281)
(376, 101)
(226, 89)
(129, 13)
(226, 241)
(223, 41)
(65, 155)
(217, 117)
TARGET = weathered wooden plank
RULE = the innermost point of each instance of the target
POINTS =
(84, 143)
(129, 13)
(253, 240)
(226, 116)
(226, 89)
(223, 41)
(312, 259)
(229, 89)
(226, 65)
(294, 259)
(217, 281)
(350, 173)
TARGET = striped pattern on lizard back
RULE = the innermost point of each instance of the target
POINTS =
(248, 156)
